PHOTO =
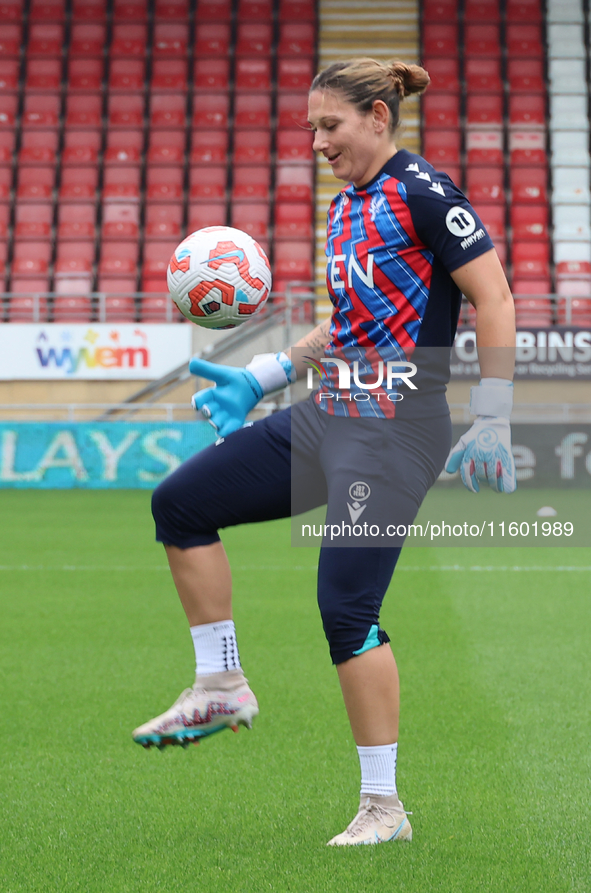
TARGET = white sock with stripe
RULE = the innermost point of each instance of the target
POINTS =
(216, 649)
(378, 769)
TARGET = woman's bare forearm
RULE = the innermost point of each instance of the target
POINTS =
(311, 345)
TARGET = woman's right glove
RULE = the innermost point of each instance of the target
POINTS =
(238, 390)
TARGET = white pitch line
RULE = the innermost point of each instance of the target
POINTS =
(454, 568)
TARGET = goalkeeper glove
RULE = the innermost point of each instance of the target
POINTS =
(484, 452)
(236, 390)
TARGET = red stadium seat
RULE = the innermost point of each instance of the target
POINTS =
(207, 183)
(38, 147)
(441, 111)
(209, 146)
(525, 76)
(252, 110)
(482, 41)
(493, 217)
(121, 184)
(442, 147)
(85, 75)
(440, 11)
(161, 308)
(26, 309)
(164, 221)
(83, 112)
(89, 10)
(168, 110)
(8, 108)
(9, 75)
(4, 221)
(530, 222)
(573, 269)
(483, 76)
(126, 110)
(5, 183)
(171, 10)
(297, 10)
(74, 260)
(211, 110)
(7, 141)
(47, 11)
(11, 38)
(164, 184)
(529, 184)
(528, 148)
(166, 147)
(130, 10)
(294, 146)
(76, 222)
(75, 308)
(41, 111)
(253, 40)
(129, 40)
(124, 147)
(120, 286)
(33, 221)
(531, 260)
(45, 40)
(575, 312)
(127, 75)
(294, 183)
(294, 73)
(170, 39)
(43, 75)
(120, 220)
(214, 11)
(253, 74)
(524, 40)
(484, 110)
(527, 11)
(212, 39)
(293, 221)
(35, 183)
(252, 147)
(31, 258)
(169, 74)
(78, 184)
(292, 111)
(527, 111)
(482, 11)
(440, 40)
(532, 312)
(87, 39)
(251, 183)
(296, 39)
(156, 257)
(255, 10)
(252, 217)
(119, 307)
(212, 74)
(293, 260)
(118, 258)
(208, 214)
(444, 74)
(486, 184)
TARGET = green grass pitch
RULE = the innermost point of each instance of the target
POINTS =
(494, 759)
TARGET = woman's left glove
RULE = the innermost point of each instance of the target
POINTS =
(238, 390)
(484, 452)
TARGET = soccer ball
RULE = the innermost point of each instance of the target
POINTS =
(219, 277)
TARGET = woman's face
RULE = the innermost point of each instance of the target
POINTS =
(355, 145)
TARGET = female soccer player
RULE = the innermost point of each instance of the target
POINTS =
(402, 244)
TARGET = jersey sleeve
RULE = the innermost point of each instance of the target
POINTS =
(444, 219)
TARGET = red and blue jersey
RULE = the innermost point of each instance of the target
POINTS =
(391, 246)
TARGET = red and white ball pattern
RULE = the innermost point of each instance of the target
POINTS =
(219, 277)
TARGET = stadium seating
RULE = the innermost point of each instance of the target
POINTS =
(136, 127)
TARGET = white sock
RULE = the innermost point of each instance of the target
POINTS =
(215, 647)
(378, 769)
